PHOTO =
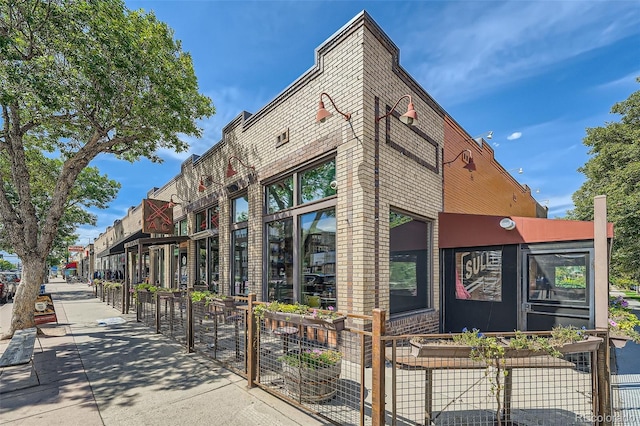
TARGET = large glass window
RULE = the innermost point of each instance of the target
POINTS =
(300, 240)
(280, 270)
(201, 261)
(214, 264)
(280, 195)
(315, 184)
(318, 258)
(409, 263)
(240, 209)
(201, 221)
(558, 277)
(239, 245)
(240, 261)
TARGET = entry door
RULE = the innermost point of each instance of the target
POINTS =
(481, 289)
(557, 287)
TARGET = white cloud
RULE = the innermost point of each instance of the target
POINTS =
(515, 135)
(473, 50)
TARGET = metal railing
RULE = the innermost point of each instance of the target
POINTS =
(374, 378)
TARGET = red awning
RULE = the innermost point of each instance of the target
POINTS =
(71, 265)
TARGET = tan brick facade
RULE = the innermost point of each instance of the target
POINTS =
(381, 166)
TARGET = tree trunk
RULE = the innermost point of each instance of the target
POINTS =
(26, 294)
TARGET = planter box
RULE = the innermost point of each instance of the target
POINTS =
(335, 324)
(448, 349)
(588, 345)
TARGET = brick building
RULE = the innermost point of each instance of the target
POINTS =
(342, 212)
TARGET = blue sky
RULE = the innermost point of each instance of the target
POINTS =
(536, 73)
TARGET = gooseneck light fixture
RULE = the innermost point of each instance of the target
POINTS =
(408, 117)
(471, 166)
(231, 171)
(323, 114)
(205, 182)
(478, 139)
(172, 203)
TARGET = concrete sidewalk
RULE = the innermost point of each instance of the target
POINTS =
(124, 374)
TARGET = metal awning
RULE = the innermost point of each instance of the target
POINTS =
(118, 247)
(149, 241)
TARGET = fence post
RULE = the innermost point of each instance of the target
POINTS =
(157, 296)
(252, 344)
(377, 371)
(190, 342)
(123, 296)
(138, 306)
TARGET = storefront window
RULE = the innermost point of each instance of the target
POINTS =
(240, 261)
(181, 227)
(201, 221)
(318, 258)
(558, 277)
(280, 195)
(315, 184)
(479, 275)
(202, 262)
(214, 263)
(300, 242)
(280, 270)
(240, 209)
(409, 263)
(214, 218)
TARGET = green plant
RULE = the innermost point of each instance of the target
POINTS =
(296, 308)
(312, 358)
(622, 321)
(207, 296)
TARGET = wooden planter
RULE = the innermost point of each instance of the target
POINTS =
(588, 345)
(311, 385)
(618, 341)
(335, 324)
(441, 349)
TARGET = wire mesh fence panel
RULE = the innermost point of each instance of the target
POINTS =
(172, 313)
(220, 332)
(147, 308)
(537, 389)
(132, 301)
(321, 368)
(116, 298)
(99, 291)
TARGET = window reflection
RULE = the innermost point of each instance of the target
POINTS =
(318, 258)
(558, 277)
(280, 246)
(315, 184)
(240, 261)
(280, 195)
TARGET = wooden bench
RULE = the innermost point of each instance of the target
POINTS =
(20, 350)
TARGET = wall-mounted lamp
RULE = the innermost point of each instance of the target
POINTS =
(408, 117)
(323, 114)
(231, 171)
(478, 139)
(471, 166)
(172, 203)
(507, 224)
(205, 182)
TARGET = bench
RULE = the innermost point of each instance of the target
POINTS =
(20, 350)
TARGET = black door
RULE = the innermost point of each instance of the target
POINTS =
(557, 286)
(481, 288)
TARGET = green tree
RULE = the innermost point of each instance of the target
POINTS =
(5, 265)
(79, 78)
(614, 170)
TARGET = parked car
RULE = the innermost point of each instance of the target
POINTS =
(10, 281)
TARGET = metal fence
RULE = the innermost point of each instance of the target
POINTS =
(372, 378)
